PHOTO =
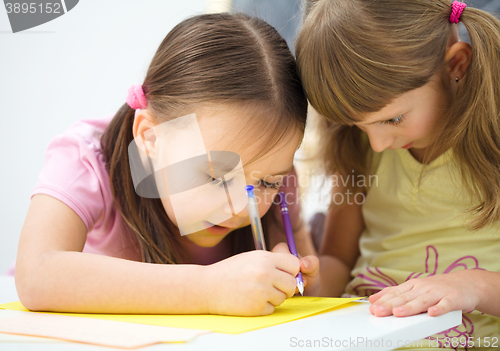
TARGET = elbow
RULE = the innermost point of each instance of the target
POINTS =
(30, 287)
(28, 291)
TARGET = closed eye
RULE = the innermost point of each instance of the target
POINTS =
(274, 186)
(219, 182)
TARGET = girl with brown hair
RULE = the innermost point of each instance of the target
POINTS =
(95, 241)
(408, 103)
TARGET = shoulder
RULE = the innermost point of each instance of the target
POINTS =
(75, 172)
(85, 133)
(80, 143)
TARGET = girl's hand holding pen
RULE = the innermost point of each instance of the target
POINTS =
(309, 266)
(251, 283)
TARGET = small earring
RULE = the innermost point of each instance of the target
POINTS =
(456, 79)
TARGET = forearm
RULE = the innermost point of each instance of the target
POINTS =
(69, 281)
(488, 287)
(304, 242)
(334, 276)
(339, 249)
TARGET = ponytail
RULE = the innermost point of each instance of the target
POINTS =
(474, 123)
(145, 217)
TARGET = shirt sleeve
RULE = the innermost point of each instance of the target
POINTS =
(73, 173)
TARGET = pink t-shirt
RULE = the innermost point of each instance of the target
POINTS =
(75, 173)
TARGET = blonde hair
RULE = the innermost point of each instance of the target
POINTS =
(356, 56)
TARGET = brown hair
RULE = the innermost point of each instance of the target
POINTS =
(356, 56)
(213, 58)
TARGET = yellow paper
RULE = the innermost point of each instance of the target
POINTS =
(292, 309)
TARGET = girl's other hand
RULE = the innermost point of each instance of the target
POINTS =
(309, 266)
(437, 295)
(250, 284)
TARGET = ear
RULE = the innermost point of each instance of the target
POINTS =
(457, 59)
(144, 122)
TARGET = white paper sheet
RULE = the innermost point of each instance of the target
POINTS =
(91, 331)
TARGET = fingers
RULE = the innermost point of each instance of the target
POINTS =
(435, 294)
(393, 292)
(266, 310)
(277, 297)
(417, 305)
(404, 300)
(444, 306)
(386, 300)
(269, 309)
(304, 279)
(428, 302)
(309, 265)
(287, 263)
(281, 247)
(375, 297)
(285, 283)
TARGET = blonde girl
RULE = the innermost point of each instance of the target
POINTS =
(409, 103)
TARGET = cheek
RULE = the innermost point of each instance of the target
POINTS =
(427, 120)
(266, 200)
(167, 205)
(425, 125)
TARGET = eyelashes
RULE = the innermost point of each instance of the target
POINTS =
(274, 186)
(220, 183)
(395, 121)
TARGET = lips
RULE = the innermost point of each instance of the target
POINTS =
(407, 146)
(217, 229)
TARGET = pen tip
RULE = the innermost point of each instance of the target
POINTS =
(301, 288)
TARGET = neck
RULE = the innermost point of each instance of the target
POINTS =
(422, 156)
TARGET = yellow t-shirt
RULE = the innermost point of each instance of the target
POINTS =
(417, 230)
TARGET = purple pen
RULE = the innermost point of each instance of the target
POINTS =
(289, 237)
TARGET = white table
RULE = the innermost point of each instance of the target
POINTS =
(351, 328)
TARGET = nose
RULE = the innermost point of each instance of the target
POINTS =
(379, 141)
(226, 208)
(235, 220)
(243, 213)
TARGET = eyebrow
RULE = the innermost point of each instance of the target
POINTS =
(222, 162)
(224, 168)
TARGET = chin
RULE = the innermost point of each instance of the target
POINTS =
(204, 240)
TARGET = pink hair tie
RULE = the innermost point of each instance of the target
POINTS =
(136, 99)
(456, 11)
